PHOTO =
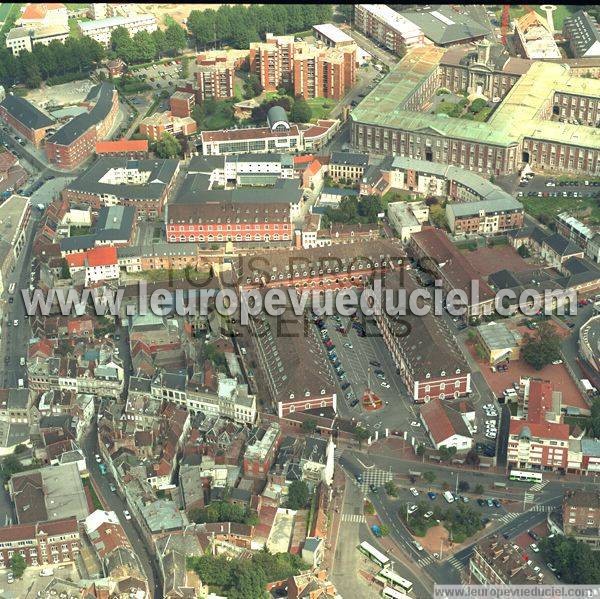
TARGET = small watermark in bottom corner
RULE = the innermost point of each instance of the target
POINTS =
(448, 591)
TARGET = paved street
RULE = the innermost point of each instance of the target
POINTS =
(116, 504)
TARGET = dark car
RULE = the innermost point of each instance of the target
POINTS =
(375, 363)
(373, 488)
(481, 502)
(354, 403)
(379, 371)
(345, 386)
(496, 503)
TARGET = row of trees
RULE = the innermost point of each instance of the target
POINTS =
(144, 46)
(246, 579)
(351, 210)
(75, 56)
(240, 25)
(223, 511)
(575, 561)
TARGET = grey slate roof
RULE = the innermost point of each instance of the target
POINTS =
(561, 245)
(349, 159)
(76, 127)
(453, 27)
(26, 113)
(582, 30)
(502, 204)
(161, 173)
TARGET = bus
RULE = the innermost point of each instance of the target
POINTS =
(530, 477)
(390, 592)
(391, 579)
(374, 555)
(12, 288)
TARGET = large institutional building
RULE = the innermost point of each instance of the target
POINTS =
(555, 129)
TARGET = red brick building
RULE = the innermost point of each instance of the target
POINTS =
(130, 148)
(311, 71)
(41, 543)
(261, 453)
(214, 76)
(75, 141)
(182, 104)
(26, 119)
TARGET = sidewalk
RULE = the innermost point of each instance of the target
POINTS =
(338, 496)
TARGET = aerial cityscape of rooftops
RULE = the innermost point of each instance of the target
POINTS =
(299, 300)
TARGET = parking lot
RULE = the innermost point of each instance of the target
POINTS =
(162, 76)
(361, 359)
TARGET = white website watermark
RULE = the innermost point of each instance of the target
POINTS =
(373, 300)
(463, 591)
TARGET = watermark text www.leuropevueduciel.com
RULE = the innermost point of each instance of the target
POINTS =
(373, 300)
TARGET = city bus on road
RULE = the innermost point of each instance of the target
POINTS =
(391, 579)
(373, 554)
(390, 592)
(522, 475)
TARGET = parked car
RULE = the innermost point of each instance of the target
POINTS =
(414, 491)
(127, 514)
(432, 495)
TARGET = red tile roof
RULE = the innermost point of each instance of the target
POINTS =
(6, 161)
(122, 145)
(298, 160)
(544, 430)
(102, 256)
(441, 422)
(74, 260)
(20, 532)
(242, 134)
(540, 400)
(38, 11)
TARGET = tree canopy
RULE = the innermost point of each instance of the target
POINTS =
(543, 347)
(240, 25)
(352, 210)
(246, 579)
(301, 111)
(168, 146)
(75, 56)
(575, 561)
(18, 565)
(222, 511)
(297, 495)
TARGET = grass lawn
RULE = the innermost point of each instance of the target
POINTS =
(553, 206)
(73, 29)
(12, 15)
(238, 87)
(76, 6)
(321, 108)
(560, 14)
(76, 231)
(4, 10)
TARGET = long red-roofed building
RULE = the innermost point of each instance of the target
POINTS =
(539, 442)
(41, 543)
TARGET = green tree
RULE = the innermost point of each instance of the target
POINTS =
(447, 453)
(472, 459)
(574, 560)
(309, 425)
(252, 86)
(384, 530)
(391, 489)
(463, 486)
(362, 434)
(523, 251)
(420, 449)
(543, 347)
(145, 47)
(301, 111)
(479, 490)
(168, 146)
(248, 583)
(11, 465)
(175, 38)
(429, 476)
(160, 41)
(17, 565)
(202, 24)
(594, 419)
(297, 495)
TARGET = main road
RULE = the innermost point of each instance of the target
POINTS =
(118, 505)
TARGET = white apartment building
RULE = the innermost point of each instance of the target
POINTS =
(102, 29)
(24, 38)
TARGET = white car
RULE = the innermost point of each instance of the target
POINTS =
(127, 515)
(428, 515)
(534, 548)
(537, 569)
(557, 362)
(415, 424)
(414, 491)
(16, 322)
(98, 458)
(349, 345)
(385, 385)
(418, 546)
(412, 509)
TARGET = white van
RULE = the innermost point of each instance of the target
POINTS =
(21, 383)
(12, 288)
(510, 393)
(448, 497)
(22, 361)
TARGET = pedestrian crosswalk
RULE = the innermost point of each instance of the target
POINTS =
(543, 508)
(508, 517)
(374, 477)
(457, 564)
(357, 518)
(538, 486)
(425, 561)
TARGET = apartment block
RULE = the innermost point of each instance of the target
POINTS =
(311, 71)
(158, 123)
(102, 29)
(214, 76)
(182, 104)
(387, 27)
